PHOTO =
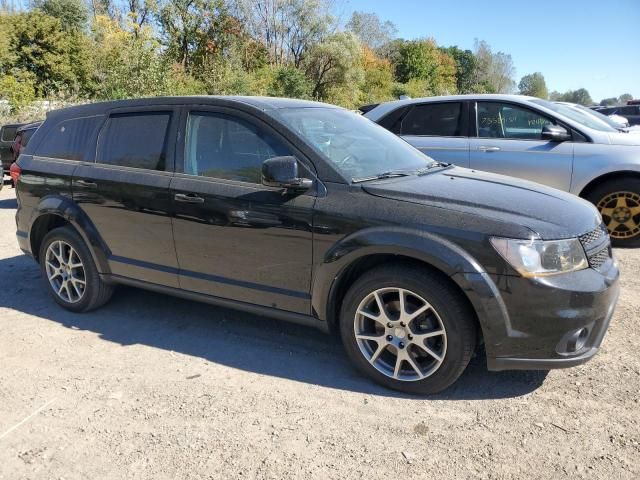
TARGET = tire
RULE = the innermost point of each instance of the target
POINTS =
(618, 201)
(446, 310)
(74, 297)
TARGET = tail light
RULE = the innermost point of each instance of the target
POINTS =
(15, 172)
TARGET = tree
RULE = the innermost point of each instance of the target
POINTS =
(73, 14)
(580, 96)
(624, 98)
(336, 63)
(43, 50)
(287, 28)
(494, 71)
(533, 85)
(370, 30)
(465, 67)
(378, 82)
(290, 82)
(423, 60)
(607, 102)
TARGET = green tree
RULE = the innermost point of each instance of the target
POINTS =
(533, 85)
(42, 49)
(290, 82)
(465, 68)
(73, 14)
(580, 96)
(423, 60)
(19, 92)
(607, 102)
(334, 64)
(624, 98)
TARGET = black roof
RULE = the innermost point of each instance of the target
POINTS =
(260, 103)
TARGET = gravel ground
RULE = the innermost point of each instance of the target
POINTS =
(156, 387)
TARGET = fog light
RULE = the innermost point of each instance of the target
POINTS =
(578, 340)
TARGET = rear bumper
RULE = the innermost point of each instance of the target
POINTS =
(545, 323)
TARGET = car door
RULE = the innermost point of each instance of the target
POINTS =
(509, 141)
(125, 193)
(439, 130)
(236, 238)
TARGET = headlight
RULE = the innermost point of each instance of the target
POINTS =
(537, 258)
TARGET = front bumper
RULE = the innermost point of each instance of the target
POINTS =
(551, 322)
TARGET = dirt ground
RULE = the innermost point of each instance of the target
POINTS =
(156, 387)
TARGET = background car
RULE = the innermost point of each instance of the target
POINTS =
(630, 112)
(23, 135)
(7, 136)
(614, 121)
(530, 138)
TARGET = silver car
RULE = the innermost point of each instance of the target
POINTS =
(530, 138)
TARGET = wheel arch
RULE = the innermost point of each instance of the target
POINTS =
(57, 211)
(361, 252)
(606, 177)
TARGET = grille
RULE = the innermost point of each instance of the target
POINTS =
(590, 242)
(593, 236)
(598, 259)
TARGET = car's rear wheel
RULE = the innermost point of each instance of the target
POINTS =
(407, 329)
(618, 201)
(70, 272)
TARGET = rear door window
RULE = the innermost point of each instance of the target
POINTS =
(136, 140)
(9, 133)
(69, 139)
(434, 119)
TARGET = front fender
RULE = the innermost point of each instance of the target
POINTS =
(428, 248)
(64, 207)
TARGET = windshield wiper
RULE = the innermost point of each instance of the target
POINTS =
(426, 169)
(380, 176)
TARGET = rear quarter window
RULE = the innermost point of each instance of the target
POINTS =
(69, 139)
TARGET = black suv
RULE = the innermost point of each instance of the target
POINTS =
(313, 214)
(7, 135)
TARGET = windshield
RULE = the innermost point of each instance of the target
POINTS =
(585, 118)
(356, 146)
(599, 116)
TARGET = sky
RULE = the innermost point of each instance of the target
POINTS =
(592, 44)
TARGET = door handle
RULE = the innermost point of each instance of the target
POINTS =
(489, 149)
(86, 183)
(188, 198)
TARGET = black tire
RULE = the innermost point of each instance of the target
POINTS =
(96, 292)
(454, 312)
(603, 196)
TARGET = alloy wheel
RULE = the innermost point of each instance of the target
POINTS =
(621, 214)
(400, 334)
(65, 271)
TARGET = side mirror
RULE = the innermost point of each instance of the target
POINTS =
(282, 172)
(555, 133)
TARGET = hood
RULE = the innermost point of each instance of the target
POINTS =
(547, 212)
(622, 138)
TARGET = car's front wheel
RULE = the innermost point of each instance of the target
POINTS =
(407, 329)
(70, 273)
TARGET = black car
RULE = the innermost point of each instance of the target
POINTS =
(313, 214)
(630, 112)
(7, 135)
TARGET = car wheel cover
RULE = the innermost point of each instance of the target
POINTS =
(621, 214)
(65, 271)
(400, 334)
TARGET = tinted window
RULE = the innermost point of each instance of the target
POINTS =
(8, 133)
(503, 120)
(441, 119)
(222, 146)
(68, 139)
(26, 136)
(135, 140)
(627, 111)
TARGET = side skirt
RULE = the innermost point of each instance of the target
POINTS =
(298, 318)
